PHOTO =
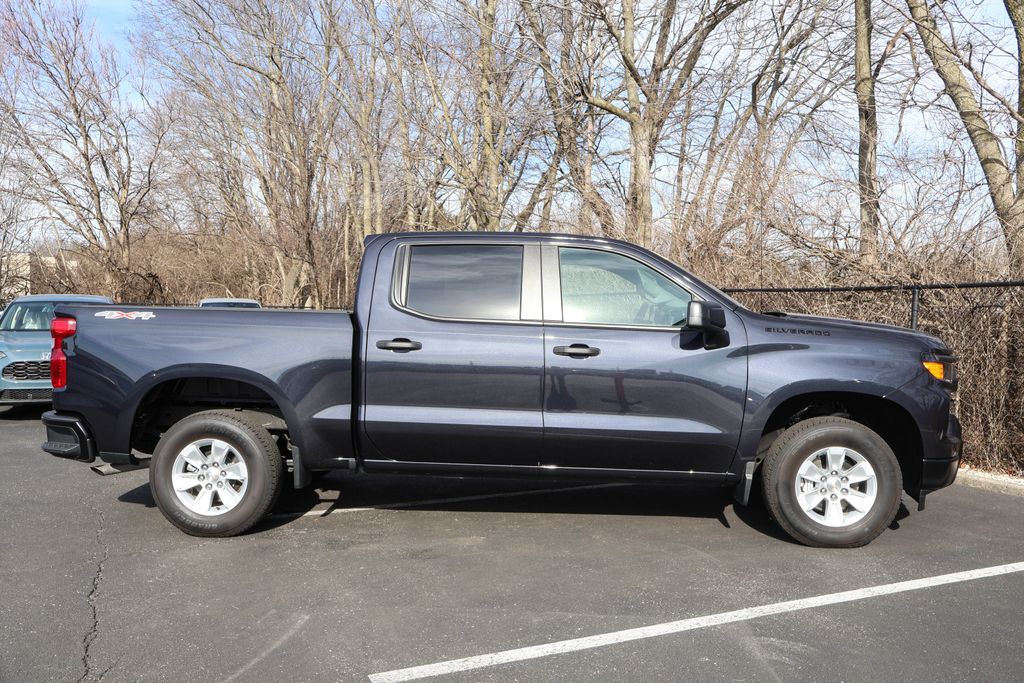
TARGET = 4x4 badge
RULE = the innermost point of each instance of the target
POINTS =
(131, 315)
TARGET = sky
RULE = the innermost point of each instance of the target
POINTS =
(112, 17)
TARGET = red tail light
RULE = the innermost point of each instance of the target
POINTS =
(60, 329)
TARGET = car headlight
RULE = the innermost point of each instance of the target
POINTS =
(941, 366)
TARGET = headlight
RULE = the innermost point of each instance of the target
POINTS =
(935, 369)
(941, 366)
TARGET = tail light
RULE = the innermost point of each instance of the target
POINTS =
(60, 329)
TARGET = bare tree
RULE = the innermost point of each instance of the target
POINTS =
(958, 72)
(644, 98)
(14, 242)
(567, 53)
(87, 152)
(14, 233)
(262, 81)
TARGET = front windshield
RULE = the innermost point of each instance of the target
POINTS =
(32, 316)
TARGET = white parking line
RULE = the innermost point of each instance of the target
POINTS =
(443, 501)
(601, 640)
(303, 618)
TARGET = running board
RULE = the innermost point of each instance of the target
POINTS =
(106, 469)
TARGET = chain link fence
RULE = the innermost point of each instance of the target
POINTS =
(980, 321)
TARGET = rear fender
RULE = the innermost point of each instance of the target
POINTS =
(145, 386)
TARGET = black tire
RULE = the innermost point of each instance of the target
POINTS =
(257, 449)
(801, 441)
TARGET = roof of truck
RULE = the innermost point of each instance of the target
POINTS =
(65, 298)
(502, 235)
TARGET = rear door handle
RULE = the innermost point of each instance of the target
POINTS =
(577, 351)
(401, 345)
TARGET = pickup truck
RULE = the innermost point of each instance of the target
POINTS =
(510, 354)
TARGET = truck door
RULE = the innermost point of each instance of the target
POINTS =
(454, 354)
(627, 386)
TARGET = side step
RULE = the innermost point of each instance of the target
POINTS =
(106, 469)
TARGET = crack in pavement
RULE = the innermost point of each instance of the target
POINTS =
(93, 631)
(109, 668)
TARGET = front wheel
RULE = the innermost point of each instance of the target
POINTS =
(832, 482)
(216, 473)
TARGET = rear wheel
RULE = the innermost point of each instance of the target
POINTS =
(216, 473)
(832, 482)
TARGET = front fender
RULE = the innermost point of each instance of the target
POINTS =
(761, 408)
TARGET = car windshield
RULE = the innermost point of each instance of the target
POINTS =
(32, 316)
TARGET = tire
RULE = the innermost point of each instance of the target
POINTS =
(836, 512)
(248, 463)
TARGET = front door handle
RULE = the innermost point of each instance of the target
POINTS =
(401, 345)
(577, 351)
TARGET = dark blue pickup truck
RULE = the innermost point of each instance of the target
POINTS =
(549, 356)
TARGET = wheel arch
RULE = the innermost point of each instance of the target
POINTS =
(891, 420)
(257, 391)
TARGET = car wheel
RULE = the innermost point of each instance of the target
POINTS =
(831, 482)
(216, 473)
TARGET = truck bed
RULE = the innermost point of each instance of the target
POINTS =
(124, 356)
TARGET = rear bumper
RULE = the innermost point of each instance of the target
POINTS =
(67, 436)
(939, 472)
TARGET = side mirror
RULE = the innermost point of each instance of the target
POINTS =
(702, 315)
(710, 318)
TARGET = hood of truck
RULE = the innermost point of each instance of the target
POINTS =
(800, 321)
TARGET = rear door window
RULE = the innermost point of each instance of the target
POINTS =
(467, 281)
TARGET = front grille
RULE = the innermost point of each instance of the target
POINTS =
(26, 395)
(27, 370)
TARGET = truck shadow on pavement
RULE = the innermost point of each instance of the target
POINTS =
(341, 492)
(22, 412)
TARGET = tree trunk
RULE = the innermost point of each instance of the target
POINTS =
(487, 186)
(867, 160)
(640, 212)
(1015, 9)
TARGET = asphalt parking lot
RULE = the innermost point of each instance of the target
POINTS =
(357, 580)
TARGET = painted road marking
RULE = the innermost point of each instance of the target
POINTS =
(443, 501)
(303, 618)
(601, 640)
